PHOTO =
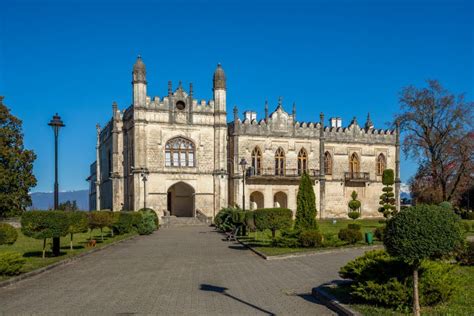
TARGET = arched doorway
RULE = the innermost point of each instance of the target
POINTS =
(181, 200)
(281, 199)
(257, 197)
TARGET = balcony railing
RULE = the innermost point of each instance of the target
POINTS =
(356, 176)
(286, 173)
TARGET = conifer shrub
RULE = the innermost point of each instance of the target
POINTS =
(11, 263)
(8, 234)
(44, 225)
(273, 219)
(305, 218)
(310, 239)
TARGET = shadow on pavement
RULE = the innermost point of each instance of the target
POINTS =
(222, 290)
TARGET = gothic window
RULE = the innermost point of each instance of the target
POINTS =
(302, 161)
(257, 161)
(179, 152)
(381, 164)
(109, 163)
(279, 162)
(327, 163)
(354, 164)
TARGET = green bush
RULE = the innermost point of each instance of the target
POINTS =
(384, 280)
(305, 218)
(387, 199)
(147, 224)
(11, 263)
(155, 216)
(223, 219)
(100, 220)
(8, 234)
(353, 215)
(388, 177)
(273, 219)
(379, 232)
(446, 205)
(310, 239)
(465, 226)
(78, 223)
(250, 221)
(44, 224)
(238, 217)
(470, 216)
(126, 222)
(465, 254)
(353, 226)
(286, 241)
(350, 236)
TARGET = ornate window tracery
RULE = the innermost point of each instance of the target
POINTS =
(180, 152)
(280, 162)
(302, 161)
(257, 161)
(354, 163)
(327, 163)
(381, 164)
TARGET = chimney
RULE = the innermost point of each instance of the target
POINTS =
(250, 115)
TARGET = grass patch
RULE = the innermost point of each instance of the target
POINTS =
(459, 304)
(262, 241)
(32, 248)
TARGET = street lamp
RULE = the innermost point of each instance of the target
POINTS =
(243, 165)
(144, 174)
(56, 124)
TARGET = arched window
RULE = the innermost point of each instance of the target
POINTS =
(257, 161)
(354, 164)
(279, 162)
(327, 163)
(381, 164)
(179, 152)
(302, 161)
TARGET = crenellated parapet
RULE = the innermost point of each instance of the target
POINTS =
(282, 124)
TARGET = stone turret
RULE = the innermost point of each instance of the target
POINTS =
(219, 78)
(219, 87)
(139, 82)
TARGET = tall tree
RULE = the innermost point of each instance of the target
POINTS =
(305, 205)
(438, 129)
(16, 165)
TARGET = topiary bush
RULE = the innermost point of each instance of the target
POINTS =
(387, 199)
(44, 225)
(310, 239)
(8, 234)
(100, 220)
(11, 263)
(354, 206)
(147, 225)
(78, 223)
(419, 233)
(126, 222)
(353, 215)
(273, 219)
(384, 280)
(350, 236)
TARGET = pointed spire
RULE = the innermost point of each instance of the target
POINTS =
(294, 110)
(219, 79)
(190, 89)
(236, 113)
(170, 88)
(369, 124)
(1, 99)
(280, 103)
(180, 85)
(139, 71)
(266, 110)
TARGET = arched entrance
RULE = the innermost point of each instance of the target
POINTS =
(281, 199)
(257, 197)
(181, 200)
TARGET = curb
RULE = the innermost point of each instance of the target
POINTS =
(306, 254)
(33, 273)
(332, 302)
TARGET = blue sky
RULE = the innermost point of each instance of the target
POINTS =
(344, 58)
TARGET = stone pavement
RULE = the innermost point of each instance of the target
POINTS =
(177, 271)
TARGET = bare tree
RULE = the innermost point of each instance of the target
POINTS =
(438, 129)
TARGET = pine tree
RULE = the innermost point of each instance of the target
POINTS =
(305, 205)
(387, 199)
(16, 165)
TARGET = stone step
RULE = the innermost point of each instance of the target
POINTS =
(173, 221)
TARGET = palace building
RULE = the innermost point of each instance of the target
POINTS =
(181, 157)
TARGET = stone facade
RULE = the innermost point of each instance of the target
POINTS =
(179, 155)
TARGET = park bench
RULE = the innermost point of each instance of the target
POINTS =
(231, 236)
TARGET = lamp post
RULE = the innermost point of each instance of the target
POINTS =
(243, 165)
(144, 174)
(56, 124)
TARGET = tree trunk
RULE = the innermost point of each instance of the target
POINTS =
(44, 247)
(101, 234)
(71, 241)
(273, 233)
(416, 299)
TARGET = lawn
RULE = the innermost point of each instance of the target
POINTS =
(460, 303)
(32, 248)
(261, 241)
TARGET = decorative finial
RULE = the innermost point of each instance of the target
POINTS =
(1, 99)
(170, 88)
(139, 56)
(180, 85)
(280, 101)
(114, 105)
(191, 89)
(321, 116)
(369, 124)
(266, 110)
(294, 109)
(236, 113)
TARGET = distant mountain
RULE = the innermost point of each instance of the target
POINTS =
(45, 200)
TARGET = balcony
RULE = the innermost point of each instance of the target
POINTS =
(356, 176)
(287, 176)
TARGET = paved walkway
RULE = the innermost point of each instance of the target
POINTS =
(177, 271)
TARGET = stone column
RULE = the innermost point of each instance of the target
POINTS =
(322, 176)
(97, 181)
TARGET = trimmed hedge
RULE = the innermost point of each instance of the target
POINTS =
(8, 234)
(11, 263)
(100, 220)
(147, 225)
(44, 224)
(273, 219)
(78, 223)
(310, 239)
(127, 222)
(351, 236)
(155, 216)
